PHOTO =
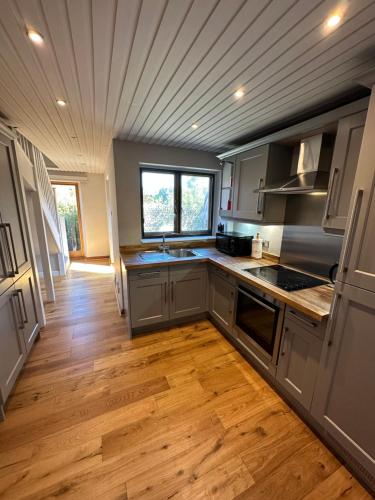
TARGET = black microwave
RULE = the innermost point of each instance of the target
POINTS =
(234, 244)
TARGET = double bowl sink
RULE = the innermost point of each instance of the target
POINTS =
(173, 253)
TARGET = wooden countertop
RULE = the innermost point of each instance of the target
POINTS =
(314, 302)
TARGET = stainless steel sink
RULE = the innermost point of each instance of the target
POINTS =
(154, 255)
(181, 252)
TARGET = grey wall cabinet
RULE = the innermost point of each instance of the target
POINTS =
(357, 263)
(25, 298)
(188, 291)
(148, 297)
(345, 401)
(299, 357)
(221, 300)
(14, 257)
(254, 169)
(12, 345)
(343, 171)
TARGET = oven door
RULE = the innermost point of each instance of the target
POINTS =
(257, 322)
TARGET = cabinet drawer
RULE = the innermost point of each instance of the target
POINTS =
(185, 271)
(217, 271)
(315, 327)
(148, 273)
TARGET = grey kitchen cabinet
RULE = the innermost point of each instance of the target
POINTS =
(226, 193)
(14, 255)
(254, 169)
(221, 300)
(299, 357)
(12, 345)
(148, 297)
(25, 297)
(344, 401)
(357, 263)
(343, 170)
(188, 290)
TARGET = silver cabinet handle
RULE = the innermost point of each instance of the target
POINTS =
(335, 304)
(165, 292)
(330, 194)
(172, 292)
(20, 325)
(4, 272)
(24, 316)
(260, 197)
(9, 250)
(306, 321)
(351, 229)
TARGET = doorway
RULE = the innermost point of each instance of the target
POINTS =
(68, 206)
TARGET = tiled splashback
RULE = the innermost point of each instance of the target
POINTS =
(273, 234)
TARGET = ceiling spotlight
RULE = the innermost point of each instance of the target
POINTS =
(239, 93)
(61, 102)
(194, 126)
(35, 37)
(333, 21)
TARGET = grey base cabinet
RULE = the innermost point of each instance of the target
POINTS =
(13, 349)
(25, 297)
(345, 402)
(221, 300)
(299, 357)
(188, 291)
(148, 297)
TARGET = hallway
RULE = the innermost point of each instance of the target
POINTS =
(176, 413)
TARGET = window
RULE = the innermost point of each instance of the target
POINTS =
(175, 203)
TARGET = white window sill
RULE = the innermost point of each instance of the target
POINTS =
(179, 238)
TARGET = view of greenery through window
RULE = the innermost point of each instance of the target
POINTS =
(67, 207)
(160, 213)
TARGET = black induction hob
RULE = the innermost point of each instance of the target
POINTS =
(285, 278)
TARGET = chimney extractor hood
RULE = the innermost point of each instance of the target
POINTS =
(312, 174)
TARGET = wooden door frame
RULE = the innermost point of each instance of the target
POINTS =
(79, 253)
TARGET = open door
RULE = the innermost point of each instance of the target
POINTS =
(68, 206)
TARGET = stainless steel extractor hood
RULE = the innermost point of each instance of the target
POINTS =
(311, 172)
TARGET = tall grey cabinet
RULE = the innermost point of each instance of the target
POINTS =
(345, 402)
(19, 323)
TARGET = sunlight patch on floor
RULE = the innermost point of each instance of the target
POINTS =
(91, 268)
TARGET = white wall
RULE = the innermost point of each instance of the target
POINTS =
(127, 159)
(94, 216)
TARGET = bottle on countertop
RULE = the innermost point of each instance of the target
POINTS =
(256, 247)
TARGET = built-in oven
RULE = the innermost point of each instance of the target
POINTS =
(258, 324)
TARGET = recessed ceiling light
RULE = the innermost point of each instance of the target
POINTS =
(333, 21)
(35, 36)
(194, 126)
(61, 102)
(239, 93)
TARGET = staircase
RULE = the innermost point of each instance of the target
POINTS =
(44, 187)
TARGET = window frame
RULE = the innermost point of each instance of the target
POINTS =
(177, 233)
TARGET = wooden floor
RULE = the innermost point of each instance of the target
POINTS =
(175, 414)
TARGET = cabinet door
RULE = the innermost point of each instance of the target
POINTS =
(25, 301)
(343, 170)
(12, 346)
(188, 293)
(357, 263)
(250, 173)
(226, 196)
(221, 301)
(13, 238)
(148, 301)
(344, 400)
(298, 362)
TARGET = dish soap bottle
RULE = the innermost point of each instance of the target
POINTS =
(256, 247)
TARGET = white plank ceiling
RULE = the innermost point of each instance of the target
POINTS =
(147, 70)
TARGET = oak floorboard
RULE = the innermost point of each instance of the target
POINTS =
(176, 413)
